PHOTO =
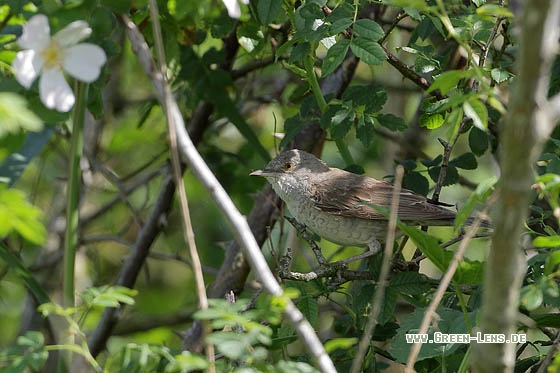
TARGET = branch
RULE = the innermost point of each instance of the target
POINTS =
(133, 264)
(237, 222)
(525, 128)
(443, 285)
(377, 300)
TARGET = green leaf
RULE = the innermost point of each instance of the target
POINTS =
(340, 25)
(431, 121)
(416, 182)
(340, 344)
(391, 122)
(500, 75)
(335, 56)
(446, 321)
(292, 126)
(410, 283)
(299, 52)
(20, 216)
(552, 263)
(451, 176)
(14, 165)
(551, 320)
(15, 264)
(365, 130)
(268, 10)
(368, 51)
(449, 80)
(547, 241)
(310, 308)
(494, 10)
(469, 273)
(368, 28)
(341, 123)
(466, 161)
(531, 297)
(476, 110)
(429, 245)
(372, 97)
(478, 141)
(15, 116)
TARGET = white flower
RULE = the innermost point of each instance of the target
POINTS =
(50, 57)
(233, 9)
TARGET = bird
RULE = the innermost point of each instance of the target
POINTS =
(338, 205)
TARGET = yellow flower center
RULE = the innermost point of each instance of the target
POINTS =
(53, 55)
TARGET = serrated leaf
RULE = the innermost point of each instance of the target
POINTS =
(15, 115)
(335, 56)
(365, 130)
(268, 10)
(431, 121)
(451, 176)
(500, 75)
(299, 52)
(292, 126)
(368, 51)
(433, 162)
(310, 308)
(372, 97)
(416, 182)
(448, 80)
(368, 28)
(476, 110)
(340, 25)
(478, 141)
(391, 122)
(410, 283)
(341, 123)
(466, 161)
(19, 216)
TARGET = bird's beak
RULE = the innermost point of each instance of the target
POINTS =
(257, 173)
(263, 173)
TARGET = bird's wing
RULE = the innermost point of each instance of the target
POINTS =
(347, 194)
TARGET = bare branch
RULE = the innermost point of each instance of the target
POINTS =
(225, 204)
(377, 300)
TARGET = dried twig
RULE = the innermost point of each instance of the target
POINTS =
(377, 300)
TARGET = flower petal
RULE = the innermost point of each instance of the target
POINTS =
(233, 9)
(55, 91)
(26, 71)
(36, 33)
(73, 33)
(84, 61)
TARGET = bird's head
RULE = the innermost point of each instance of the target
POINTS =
(291, 163)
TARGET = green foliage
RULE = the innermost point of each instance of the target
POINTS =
(19, 216)
(441, 66)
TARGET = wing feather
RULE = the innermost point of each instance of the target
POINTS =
(343, 193)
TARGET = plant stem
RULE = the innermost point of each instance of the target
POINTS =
(71, 235)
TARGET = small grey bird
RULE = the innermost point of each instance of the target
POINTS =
(337, 205)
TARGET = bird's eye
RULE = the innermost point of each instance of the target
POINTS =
(288, 166)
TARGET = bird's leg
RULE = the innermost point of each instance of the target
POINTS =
(373, 248)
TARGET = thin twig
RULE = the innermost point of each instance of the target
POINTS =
(443, 285)
(133, 264)
(383, 276)
(188, 231)
(237, 221)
